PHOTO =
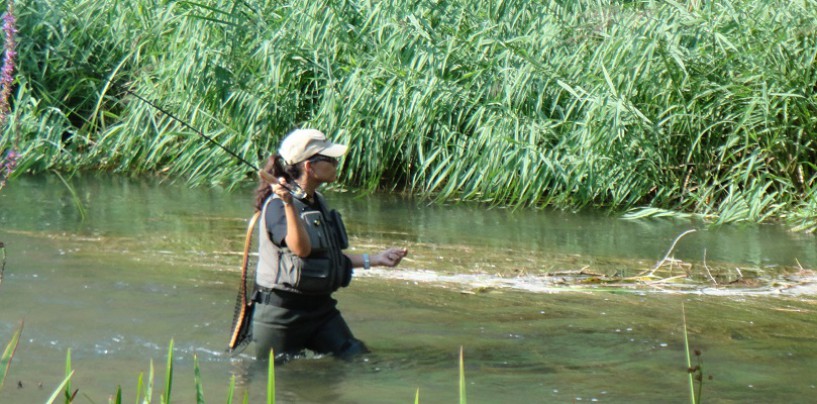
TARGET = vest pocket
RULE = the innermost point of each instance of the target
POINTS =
(317, 230)
(310, 275)
(316, 276)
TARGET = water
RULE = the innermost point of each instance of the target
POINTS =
(151, 262)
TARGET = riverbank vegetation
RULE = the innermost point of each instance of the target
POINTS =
(648, 106)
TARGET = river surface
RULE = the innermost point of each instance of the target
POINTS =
(546, 306)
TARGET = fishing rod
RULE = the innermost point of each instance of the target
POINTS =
(270, 178)
(175, 118)
(290, 184)
(196, 130)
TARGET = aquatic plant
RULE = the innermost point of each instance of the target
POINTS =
(694, 373)
(8, 353)
(197, 380)
(59, 389)
(692, 396)
(271, 378)
(463, 400)
(69, 395)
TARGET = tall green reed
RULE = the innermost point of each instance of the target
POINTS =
(587, 104)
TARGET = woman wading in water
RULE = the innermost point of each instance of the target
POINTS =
(301, 259)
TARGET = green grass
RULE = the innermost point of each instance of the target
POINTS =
(640, 106)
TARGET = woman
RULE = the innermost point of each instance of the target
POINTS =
(301, 261)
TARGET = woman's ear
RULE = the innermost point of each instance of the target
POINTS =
(308, 167)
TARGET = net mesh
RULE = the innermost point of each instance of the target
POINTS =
(241, 330)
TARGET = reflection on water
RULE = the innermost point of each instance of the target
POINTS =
(152, 262)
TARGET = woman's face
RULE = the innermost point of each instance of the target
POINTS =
(324, 169)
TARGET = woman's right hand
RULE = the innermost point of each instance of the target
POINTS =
(282, 190)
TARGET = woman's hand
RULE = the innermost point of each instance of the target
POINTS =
(390, 257)
(297, 239)
(282, 190)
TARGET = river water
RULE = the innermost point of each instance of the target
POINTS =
(546, 306)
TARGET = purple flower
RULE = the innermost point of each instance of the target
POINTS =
(7, 166)
(9, 161)
(9, 55)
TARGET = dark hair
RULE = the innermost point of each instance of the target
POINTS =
(278, 168)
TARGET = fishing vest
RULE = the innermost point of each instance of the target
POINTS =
(323, 271)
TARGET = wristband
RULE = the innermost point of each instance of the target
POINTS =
(366, 262)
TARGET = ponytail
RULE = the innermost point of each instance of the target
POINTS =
(274, 169)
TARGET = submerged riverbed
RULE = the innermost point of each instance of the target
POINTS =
(547, 306)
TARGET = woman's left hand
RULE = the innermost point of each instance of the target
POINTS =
(389, 257)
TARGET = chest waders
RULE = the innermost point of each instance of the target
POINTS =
(324, 271)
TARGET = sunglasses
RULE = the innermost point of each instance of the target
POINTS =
(316, 158)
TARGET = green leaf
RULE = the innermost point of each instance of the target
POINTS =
(271, 379)
(197, 378)
(59, 389)
(168, 374)
(8, 354)
(462, 378)
(68, 371)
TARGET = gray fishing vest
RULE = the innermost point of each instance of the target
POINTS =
(323, 271)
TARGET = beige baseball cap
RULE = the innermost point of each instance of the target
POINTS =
(302, 144)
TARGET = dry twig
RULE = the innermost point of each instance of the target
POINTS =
(651, 272)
